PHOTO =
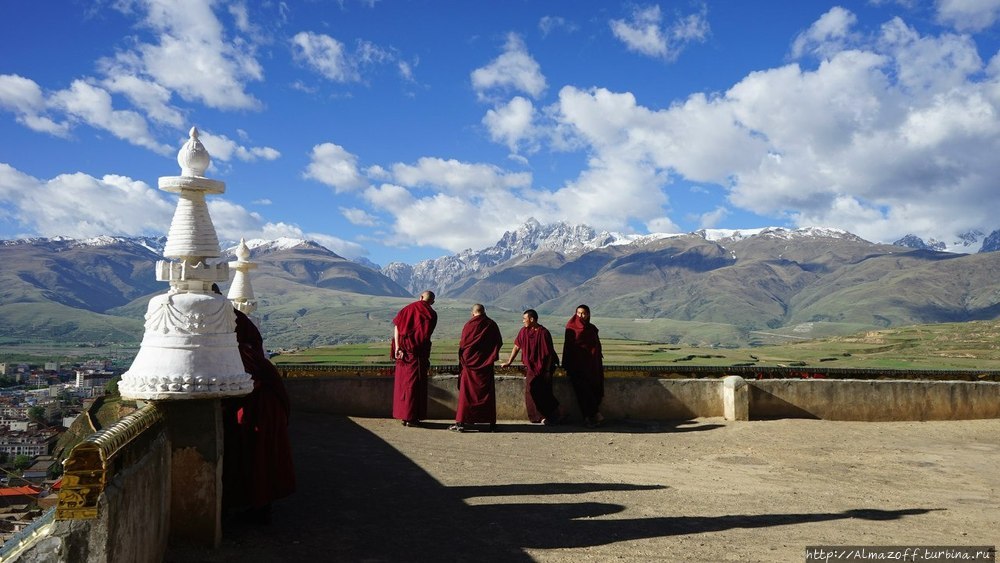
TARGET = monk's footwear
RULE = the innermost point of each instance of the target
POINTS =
(493, 427)
(457, 427)
(410, 423)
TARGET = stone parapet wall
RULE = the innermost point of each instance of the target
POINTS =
(128, 519)
(678, 399)
(874, 400)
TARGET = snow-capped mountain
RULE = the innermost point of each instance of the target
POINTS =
(570, 240)
(60, 243)
(264, 246)
(913, 241)
(968, 242)
(528, 239)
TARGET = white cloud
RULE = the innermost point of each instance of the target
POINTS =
(891, 133)
(458, 177)
(390, 197)
(190, 54)
(928, 65)
(511, 124)
(644, 34)
(968, 15)
(332, 165)
(615, 188)
(887, 140)
(233, 222)
(180, 48)
(263, 201)
(359, 216)
(662, 225)
(147, 95)
(92, 105)
(712, 218)
(344, 248)
(225, 149)
(334, 61)
(25, 99)
(460, 220)
(827, 35)
(548, 24)
(82, 206)
(325, 55)
(514, 70)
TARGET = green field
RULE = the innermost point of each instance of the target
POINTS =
(972, 345)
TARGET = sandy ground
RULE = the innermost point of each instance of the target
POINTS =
(701, 490)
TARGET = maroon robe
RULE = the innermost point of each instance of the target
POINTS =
(415, 324)
(538, 355)
(478, 349)
(583, 361)
(257, 463)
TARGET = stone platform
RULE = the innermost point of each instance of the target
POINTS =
(700, 490)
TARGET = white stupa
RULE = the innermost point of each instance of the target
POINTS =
(189, 348)
(241, 292)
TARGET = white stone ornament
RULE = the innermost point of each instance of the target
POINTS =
(189, 348)
(241, 292)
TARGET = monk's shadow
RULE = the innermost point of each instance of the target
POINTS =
(536, 489)
(621, 426)
(574, 525)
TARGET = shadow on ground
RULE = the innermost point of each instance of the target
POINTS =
(611, 426)
(359, 499)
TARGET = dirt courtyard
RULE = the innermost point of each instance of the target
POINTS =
(700, 490)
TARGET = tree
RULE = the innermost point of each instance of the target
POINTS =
(111, 388)
(55, 471)
(37, 413)
(22, 462)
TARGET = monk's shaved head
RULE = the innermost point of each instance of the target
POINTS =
(427, 296)
(478, 309)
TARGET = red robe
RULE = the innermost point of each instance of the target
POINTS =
(583, 361)
(538, 355)
(257, 463)
(415, 324)
(478, 349)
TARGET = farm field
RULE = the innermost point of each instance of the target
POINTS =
(966, 346)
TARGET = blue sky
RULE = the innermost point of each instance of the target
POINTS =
(403, 130)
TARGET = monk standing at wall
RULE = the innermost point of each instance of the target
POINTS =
(540, 362)
(478, 349)
(411, 348)
(583, 361)
(257, 464)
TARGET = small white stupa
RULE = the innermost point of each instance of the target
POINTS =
(241, 292)
(189, 349)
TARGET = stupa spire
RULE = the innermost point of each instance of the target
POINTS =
(189, 348)
(241, 291)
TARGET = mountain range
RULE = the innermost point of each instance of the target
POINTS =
(710, 287)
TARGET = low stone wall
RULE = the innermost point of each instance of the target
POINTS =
(127, 467)
(874, 400)
(645, 398)
(677, 399)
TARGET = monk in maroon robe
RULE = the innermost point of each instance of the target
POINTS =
(411, 348)
(257, 462)
(583, 361)
(478, 349)
(538, 355)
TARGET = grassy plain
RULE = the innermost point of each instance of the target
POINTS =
(970, 345)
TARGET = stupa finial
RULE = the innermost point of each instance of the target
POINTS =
(193, 157)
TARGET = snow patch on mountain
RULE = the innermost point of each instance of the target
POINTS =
(732, 235)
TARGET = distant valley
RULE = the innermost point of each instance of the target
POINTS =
(708, 288)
